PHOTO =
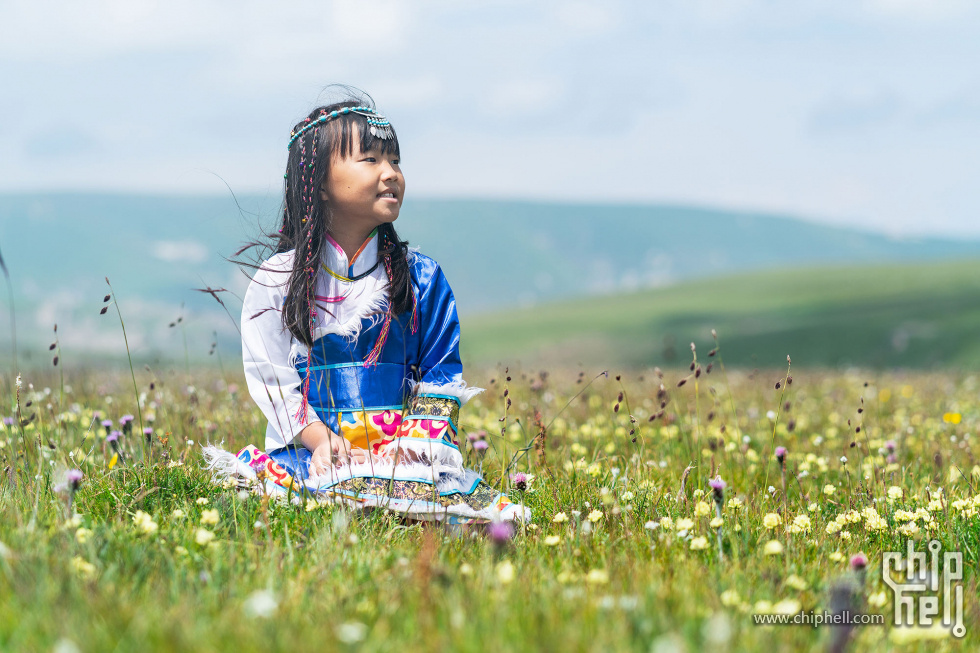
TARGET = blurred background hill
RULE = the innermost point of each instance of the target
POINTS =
(535, 281)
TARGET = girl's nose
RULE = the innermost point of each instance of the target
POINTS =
(389, 171)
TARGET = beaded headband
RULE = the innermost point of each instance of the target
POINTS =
(380, 127)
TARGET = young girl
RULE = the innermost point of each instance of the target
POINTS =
(351, 340)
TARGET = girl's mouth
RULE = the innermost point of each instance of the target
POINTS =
(388, 196)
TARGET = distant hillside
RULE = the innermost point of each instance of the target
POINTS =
(925, 315)
(497, 255)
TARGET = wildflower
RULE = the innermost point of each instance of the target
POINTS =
(82, 567)
(177, 513)
(843, 460)
(520, 481)
(781, 455)
(699, 543)
(859, 561)
(952, 418)
(465, 569)
(559, 518)
(730, 598)
(667, 523)
(107, 425)
(845, 535)
(627, 496)
(801, 524)
(684, 524)
(83, 535)
(829, 489)
(203, 536)
(74, 479)
(836, 556)
(351, 632)
(773, 548)
(500, 532)
(597, 577)
(702, 508)
(209, 517)
(552, 540)
(894, 493)
(734, 504)
(771, 521)
(717, 522)
(832, 527)
(877, 600)
(505, 572)
(909, 530)
(179, 550)
(651, 525)
(145, 523)
(260, 603)
(787, 606)
(795, 582)
(595, 516)
(202, 501)
(480, 446)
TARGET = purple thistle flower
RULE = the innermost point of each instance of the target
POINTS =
(890, 445)
(8, 421)
(718, 488)
(480, 445)
(148, 431)
(859, 561)
(781, 454)
(74, 478)
(113, 437)
(500, 532)
(107, 425)
(519, 479)
(125, 419)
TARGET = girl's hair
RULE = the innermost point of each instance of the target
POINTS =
(306, 218)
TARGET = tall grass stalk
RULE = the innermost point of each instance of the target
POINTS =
(132, 372)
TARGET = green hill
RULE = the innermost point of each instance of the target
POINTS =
(921, 316)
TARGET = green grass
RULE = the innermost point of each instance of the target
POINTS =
(104, 583)
(920, 316)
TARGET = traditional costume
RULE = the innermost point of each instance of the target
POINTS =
(390, 384)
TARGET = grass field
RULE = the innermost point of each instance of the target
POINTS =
(920, 316)
(628, 548)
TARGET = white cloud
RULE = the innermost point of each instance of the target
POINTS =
(175, 251)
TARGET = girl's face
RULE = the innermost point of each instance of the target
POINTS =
(363, 190)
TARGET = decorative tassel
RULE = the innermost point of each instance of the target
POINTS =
(415, 312)
(303, 413)
(375, 355)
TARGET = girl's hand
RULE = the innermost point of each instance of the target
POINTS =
(334, 450)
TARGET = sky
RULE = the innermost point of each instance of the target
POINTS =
(855, 112)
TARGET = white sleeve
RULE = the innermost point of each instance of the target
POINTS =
(272, 380)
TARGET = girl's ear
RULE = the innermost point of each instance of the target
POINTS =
(323, 191)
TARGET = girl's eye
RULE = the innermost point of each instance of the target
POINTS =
(370, 159)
